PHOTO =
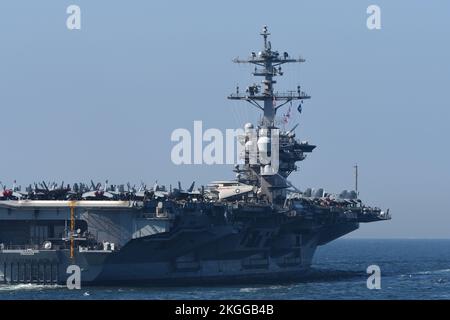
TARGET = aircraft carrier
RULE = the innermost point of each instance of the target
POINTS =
(258, 227)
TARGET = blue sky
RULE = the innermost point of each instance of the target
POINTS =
(101, 102)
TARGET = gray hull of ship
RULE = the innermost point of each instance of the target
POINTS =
(155, 261)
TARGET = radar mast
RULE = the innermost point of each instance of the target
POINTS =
(270, 180)
(268, 65)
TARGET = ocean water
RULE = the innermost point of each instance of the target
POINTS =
(410, 269)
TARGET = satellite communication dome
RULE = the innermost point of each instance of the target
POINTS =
(264, 144)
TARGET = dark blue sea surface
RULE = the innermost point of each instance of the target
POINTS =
(410, 269)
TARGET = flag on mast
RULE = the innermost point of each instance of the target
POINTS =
(287, 115)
